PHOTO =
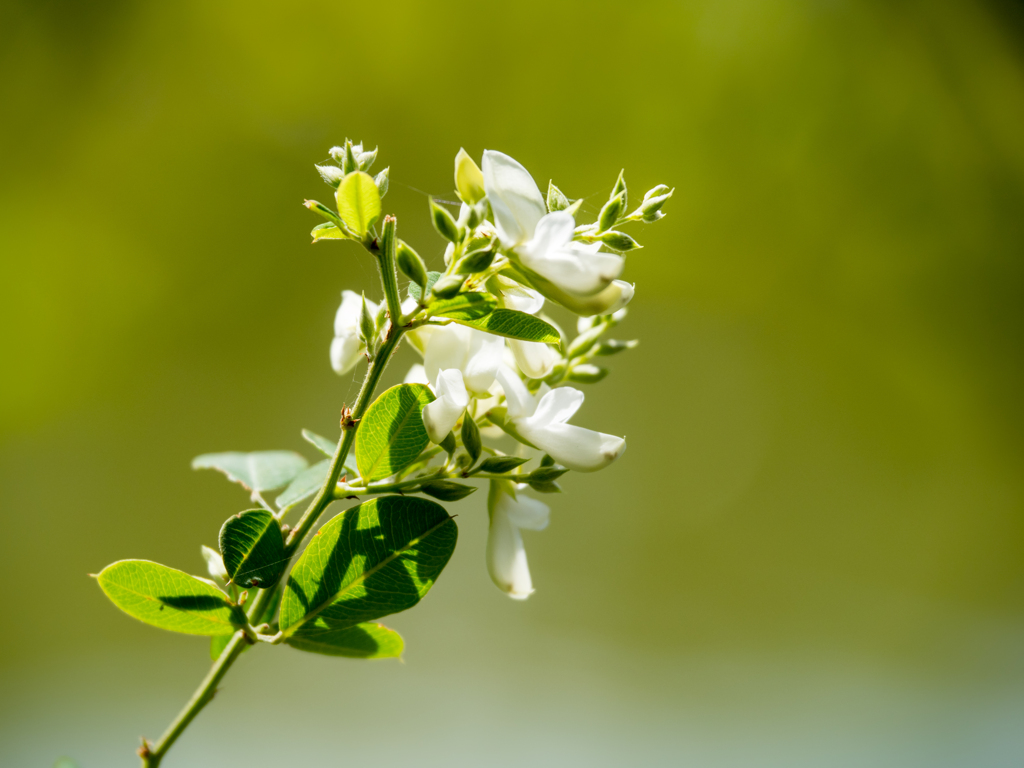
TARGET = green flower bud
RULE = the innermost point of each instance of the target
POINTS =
(610, 212)
(549, 487)
(365, 160)
(469, 179)
(650, 208)
(410, 264)
(582, 343)
(448, 286)
(556, 200)
(367, 326)
(547, 474)
(449, 444)
(475, 261)
(381, 180)
(620, 241)
(349, 164)
(499, 465)
(614, 346)
(447, 490)
(620, 188)
(331, 174)
(444, 223)
(471, 438)
(587, 374)
(547, 461)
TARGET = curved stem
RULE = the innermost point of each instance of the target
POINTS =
(152, 755)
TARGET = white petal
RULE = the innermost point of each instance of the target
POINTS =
(346, 351)
(519, 297)
(574, 271)
(517, 399)
(554, 231)
(347, 317)
(556, 407)
(534, 358)
(214, 563)
(447, 347)
(440, 416)
(416, 375)
(610, 300)
(514, 196)
(526, 512)
(485, 355)
(506, 557)
(579, 449)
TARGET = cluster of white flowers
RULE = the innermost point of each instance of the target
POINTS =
(539, 254)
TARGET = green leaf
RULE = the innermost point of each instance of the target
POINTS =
(391, 434)
(513, 324)
(358, 202)
(306, 484)
(217, 645)
(169, 599)
(253, 548)
(374, 559)
(414, 290)
(327, 231)
(464, 307)
(363, 641)
(258, 471)
(447, 490)
(325, 446)
(499, 465)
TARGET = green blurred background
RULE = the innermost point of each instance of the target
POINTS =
(812, 553)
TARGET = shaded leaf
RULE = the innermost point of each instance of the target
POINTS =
(169, 599)
(414, 290)
(377, 558)
(363, 641)
(391, 434)
(257, 471)
(306, 484)
(253, 548)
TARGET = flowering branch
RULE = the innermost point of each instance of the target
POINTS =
(494, 366)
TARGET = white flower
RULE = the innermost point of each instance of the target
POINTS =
(475, 353)
(506, 556)
(541, 420)
(416, 375)
(534, 358)
(214, 563)
(543, 241)
(347, 347)
(441, 416)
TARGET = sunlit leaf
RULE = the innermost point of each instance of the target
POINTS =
(363, 641)
(327, 231)
(464, 307)
(377, 558)
(169, 599)
(391, 434)
(358, 202)
(512, 324)
(414, 290)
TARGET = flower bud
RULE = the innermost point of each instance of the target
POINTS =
(446, 287)
(471, 438)
(349, 164)
(582, 343)
(619, 241)
(614, 346)
(449, 443)
(331, 174)
(476, 261)
(499, 465)
(556, 200)
(365, 160)
(650, 209)
(214, 563)
(381, 180)
(367, 327)
(547, 474)
(410, 263)
(620, 188)
(447, 490)
(469, 179)
(587, 374)
(443, 221)
(337, 153)
(610, 212)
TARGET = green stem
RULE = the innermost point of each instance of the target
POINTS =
(152, 754)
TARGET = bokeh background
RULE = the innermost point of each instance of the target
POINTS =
(812, 553)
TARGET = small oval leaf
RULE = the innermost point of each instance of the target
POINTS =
(258, 471)
(513, 324)
(377, 558)
(358, 202)
(253, 548)
(465, 307)
(363, 641)
(169, 598)
(391, 433)
(306, 484)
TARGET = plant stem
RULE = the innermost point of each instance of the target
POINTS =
(152, 755)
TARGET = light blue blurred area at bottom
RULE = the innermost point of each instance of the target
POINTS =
(557, 704)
